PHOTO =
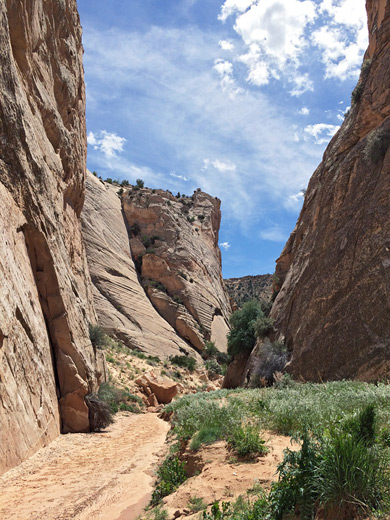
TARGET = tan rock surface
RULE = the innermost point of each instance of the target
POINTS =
(180, 236)
(44, 289)
(333, 308)
(122, 306)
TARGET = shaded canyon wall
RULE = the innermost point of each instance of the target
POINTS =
(47, 363)
(333, 308)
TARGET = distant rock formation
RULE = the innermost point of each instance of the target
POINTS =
(247, 288)
(334, 304)
(121, 303)
(146, 246)
(47, 363)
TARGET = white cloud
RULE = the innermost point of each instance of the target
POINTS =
(342, 41)
(304, 111)
(232, 6)
(221, 166)
(225, 245)
(226, 45)
(108, 143)
(274, 234)
(294, 201)
(181, 177)
(224, 69)
(321, 132)
(278, 33)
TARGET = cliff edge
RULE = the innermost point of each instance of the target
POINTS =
(334, 305)
(47, 363)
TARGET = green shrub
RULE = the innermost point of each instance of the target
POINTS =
(109, 180)
(118, 399)
(97, 336)
(196, 504)
(213, 367)
(135, 229)
(210, 349)
(120, 192)
(378, 142)
(246, 441)
(170, 475)
(340, 472)
(242, 335)
(263, 325)
(184, 361)
(139, 183)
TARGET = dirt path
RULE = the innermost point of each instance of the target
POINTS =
(101, 476)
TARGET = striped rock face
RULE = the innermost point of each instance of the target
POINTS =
(334, 304)
(47, 363)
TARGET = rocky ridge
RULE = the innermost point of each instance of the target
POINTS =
(166, 255)
(333, 306)
(47, 363)
(249, 287)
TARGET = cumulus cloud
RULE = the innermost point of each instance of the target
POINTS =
(108, 143)
(225, 245)
(295, 200)
(277, 33)
(321, 133)
(226, 45)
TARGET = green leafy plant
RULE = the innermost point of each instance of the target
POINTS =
(184, 361)
(242, 336)
(246, 441)
(97, 336)
(139, 183)
(170, 475)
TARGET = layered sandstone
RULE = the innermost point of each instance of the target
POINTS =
(333, 308)
(174, 241)
(47, 363)
(123, 308)
(156, 267)
(241, 290)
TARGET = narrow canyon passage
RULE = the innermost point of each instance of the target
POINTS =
(99, 476)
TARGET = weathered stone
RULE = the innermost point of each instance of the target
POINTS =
(333, 308)
(44, 290)
(246, 288)
(164, 389)
(122, 306)
(181, 260)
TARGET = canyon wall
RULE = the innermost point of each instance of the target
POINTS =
(47, 363)
(334, 304)
(156, 267)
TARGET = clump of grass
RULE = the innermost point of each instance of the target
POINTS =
(246, 441)
(99, 413)
(184, 361)
(119, 399)
(170, 475)
(206, 435)
(340, 472)
(196, 504)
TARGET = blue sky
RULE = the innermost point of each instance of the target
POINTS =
(237, 97)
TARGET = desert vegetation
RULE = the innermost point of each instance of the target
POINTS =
(339, 468)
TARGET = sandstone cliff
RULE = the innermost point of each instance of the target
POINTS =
(246, 288)
(156, 267)
(47, 364)
(334, 306)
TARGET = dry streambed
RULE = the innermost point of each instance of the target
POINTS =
(110, 475)
(100, 476)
